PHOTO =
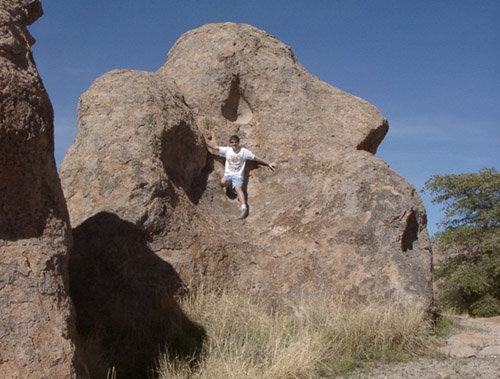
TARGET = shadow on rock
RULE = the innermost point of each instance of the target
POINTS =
(185, 160)
(124, 299)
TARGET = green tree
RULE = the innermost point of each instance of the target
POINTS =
(470, 236)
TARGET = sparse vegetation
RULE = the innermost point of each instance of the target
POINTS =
(316, 339)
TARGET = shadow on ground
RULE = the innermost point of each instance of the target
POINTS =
(124, 299)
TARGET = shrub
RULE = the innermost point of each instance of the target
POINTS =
(487, 306)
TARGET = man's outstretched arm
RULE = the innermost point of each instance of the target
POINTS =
(210, 146)
(271, 165)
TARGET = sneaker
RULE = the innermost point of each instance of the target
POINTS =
(231, 193)
(243, 214)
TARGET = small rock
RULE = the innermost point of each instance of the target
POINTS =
(490, 351)
(443, 375)
(479, 340)
(458, 350)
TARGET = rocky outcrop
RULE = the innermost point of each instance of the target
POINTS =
(37, 329)
(135, 132)
(482, 341)
(333, 219)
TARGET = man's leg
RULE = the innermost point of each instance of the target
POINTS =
(241, 196)
(243, 202)
(225, 182)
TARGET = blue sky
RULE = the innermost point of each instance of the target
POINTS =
(431, 67)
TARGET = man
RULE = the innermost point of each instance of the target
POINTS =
(236, 157)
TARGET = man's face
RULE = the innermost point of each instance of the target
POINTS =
(235, 144)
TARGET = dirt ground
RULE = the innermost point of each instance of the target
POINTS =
(478, 339)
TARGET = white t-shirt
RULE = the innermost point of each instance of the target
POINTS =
(235, 162)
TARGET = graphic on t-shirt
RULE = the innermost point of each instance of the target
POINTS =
(234, 163)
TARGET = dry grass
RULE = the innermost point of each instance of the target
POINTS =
(317, 339)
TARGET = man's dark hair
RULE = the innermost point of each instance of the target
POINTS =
(234, 136)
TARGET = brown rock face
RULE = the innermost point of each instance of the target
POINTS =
(332, 219)
(37, 328)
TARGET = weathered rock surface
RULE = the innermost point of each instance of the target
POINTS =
(484, 342)
(37, 329)
(333, 219)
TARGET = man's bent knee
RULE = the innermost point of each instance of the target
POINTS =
(225, 182)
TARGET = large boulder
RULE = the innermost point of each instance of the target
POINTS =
(123, 292)
(37, 326)
(333, 219)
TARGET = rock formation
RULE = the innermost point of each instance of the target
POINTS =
(333, 219)
(37, 329)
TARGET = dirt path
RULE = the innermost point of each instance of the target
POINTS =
(472, 351)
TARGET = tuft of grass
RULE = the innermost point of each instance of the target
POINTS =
(442, 326)
(316, 339)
